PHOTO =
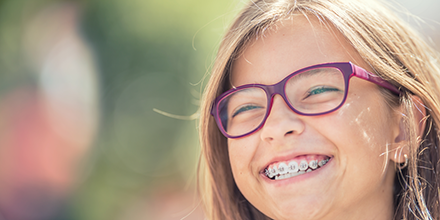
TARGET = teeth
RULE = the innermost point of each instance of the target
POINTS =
(270, 172)
(323, 162)
(283, 176)
(287, 175)
(313, 164)
(284, 171)
(303, 165)
(293, 166)
(282, 168)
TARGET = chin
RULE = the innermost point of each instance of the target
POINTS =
(305, 209)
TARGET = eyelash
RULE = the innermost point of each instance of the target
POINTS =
(244, 108)
(320, 90)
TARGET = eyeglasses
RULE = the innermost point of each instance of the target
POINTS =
(313, 90)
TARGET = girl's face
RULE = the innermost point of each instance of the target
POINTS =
(357, 180)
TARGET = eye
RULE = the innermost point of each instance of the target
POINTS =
(320, 90)
(244, 109)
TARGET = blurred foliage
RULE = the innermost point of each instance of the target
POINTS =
(151, 54)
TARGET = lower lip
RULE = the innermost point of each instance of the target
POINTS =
(299, 178)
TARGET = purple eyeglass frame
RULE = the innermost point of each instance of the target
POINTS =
(348, 70)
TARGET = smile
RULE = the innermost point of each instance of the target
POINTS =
(295, 167)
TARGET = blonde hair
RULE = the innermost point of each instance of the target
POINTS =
(394, 51)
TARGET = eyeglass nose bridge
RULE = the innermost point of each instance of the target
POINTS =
(271, 91)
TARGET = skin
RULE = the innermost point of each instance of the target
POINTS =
(357, 182)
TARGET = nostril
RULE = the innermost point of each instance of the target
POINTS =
(289, 132)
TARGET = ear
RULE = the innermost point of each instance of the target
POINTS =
(401, 141)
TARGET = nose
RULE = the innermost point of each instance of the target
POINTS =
(281, 123)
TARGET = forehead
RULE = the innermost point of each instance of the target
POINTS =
(289, 45)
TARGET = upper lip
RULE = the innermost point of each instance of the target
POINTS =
(289, 156)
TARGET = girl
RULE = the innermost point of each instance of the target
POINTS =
(321, 110)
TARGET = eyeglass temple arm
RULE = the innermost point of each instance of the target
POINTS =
(363, 74)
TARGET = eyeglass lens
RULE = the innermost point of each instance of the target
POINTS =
(314, 91)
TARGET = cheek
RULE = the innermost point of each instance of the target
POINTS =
(244, 154)
(366, 120)
(367, 134)
(237, 155)
(241, 156)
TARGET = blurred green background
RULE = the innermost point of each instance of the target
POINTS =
(128, 75)
(145, 55)
(151, 55)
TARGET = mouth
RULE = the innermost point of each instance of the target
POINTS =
(295, 167)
